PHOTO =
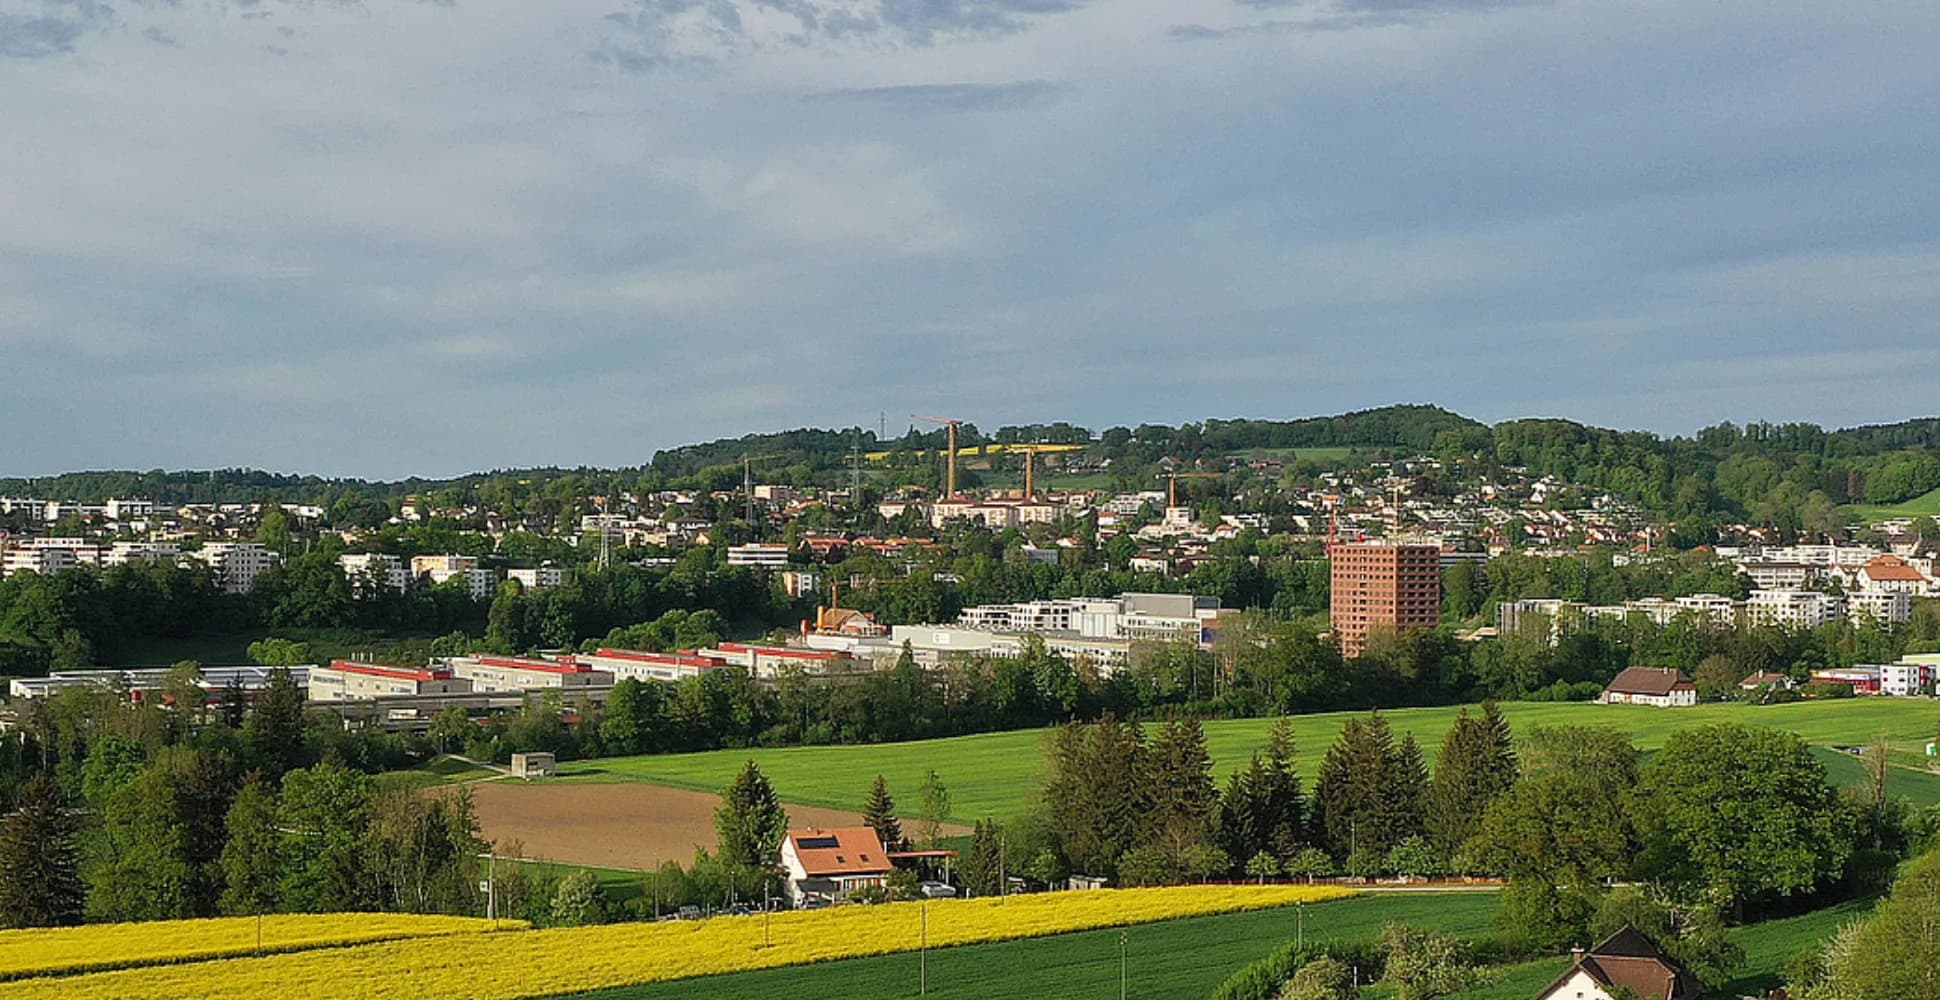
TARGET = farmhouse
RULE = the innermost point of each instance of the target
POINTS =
(1659, 686)
(1626, 960)
(832, 863)
(1766, 679)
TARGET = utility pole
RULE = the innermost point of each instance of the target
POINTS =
(1124, 974)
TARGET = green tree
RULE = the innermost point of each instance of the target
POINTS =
(273, 734)
(982, 871)
(1262, 809)
(750, 823)
(1425, 964)
(1474, 766)
(935, 809)
(1741, 812)
(578, 900)
(325, 820)
(1896, 954)
(1179, 786)
(879, 814)
(1324, 978)
(251, 853)
(1263, 866)
(156, 849)
(40, 882)
(274, 652)
(1369, 794)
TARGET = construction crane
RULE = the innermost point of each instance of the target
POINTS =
(747, 478)
(1172, 484)
(950, 474)
(1030, 468)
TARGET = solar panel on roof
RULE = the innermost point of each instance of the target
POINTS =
(817, 843)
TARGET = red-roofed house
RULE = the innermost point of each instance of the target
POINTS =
(1892, 575)
(1659, 686)
(833, 863)
(1625, 961)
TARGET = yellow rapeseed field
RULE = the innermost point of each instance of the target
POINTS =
(97, 946)
(539, 963)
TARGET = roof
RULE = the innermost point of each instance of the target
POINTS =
(1763, 677)
(544, 666)
(852, 850)
(675, 659)
(381, 670)
(1650, 680)
(1893, 569)
(1627, 958)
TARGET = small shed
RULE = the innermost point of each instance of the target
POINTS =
(534, 765)
(1082, 882)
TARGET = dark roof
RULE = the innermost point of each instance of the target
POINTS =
(1627, 958)
(1649, 680)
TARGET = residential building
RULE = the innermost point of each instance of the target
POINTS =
(800, 583)
(645, 666)
(350, 680)
(1891, 575)
(1766, 679)
(1382, 585)
(41, 559)
(1887, 607)
(1662, 687)
(831, 864)
(237, 565)
(370, 572)
(763, 555)
(1624, 964)
(1906, 679)
(1782, 575)
(1793, 608)
(510, 673)
(442, 568)
(537, 577)
(126, 553)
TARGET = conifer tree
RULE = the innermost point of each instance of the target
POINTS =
(750, 822)
(983, 871)
(273, 732)
(1475, 766)
(1369, 794)
(40, 881)
(880, 816)
(251, 862)
(1179, 786)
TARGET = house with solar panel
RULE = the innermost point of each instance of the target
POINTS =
(831, 864)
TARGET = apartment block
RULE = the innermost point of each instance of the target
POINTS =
(1380, 585)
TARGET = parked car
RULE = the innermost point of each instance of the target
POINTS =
(936, 890)
(816, 901)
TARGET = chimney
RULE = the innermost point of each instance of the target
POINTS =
(1576, 954)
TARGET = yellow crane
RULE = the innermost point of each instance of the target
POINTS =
(950, 474)
(1030, 467)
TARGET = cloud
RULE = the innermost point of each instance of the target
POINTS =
(949, 96)
(438, 238)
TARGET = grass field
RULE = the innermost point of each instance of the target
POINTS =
(1924, 505)
(1175, 958)
(993, 775)
(1768, 946)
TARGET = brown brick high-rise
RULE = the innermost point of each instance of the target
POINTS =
(1383, 585)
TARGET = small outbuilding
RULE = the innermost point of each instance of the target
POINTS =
(534, 765)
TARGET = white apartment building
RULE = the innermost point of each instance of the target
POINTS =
(1793, 608)
(124, 553)
(1906, 679)
(764, 555)
(237, 565)
(45, 561)
(441, 568)
(537, 577)
(1782, 575)
(373, 571)
(1888, 607)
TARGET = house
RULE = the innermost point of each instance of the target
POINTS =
(1659, 686)
(1766, 679)
(832, 863)
(1625, 961)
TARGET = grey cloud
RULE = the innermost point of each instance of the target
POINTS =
(53, 30)
(951, 97)
(654, 34)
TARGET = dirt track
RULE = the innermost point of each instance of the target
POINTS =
(615, 825)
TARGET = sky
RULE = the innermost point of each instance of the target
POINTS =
(391, 237)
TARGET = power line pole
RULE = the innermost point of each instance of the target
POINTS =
(1124, 975)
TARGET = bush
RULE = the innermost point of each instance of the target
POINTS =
(578, 901)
